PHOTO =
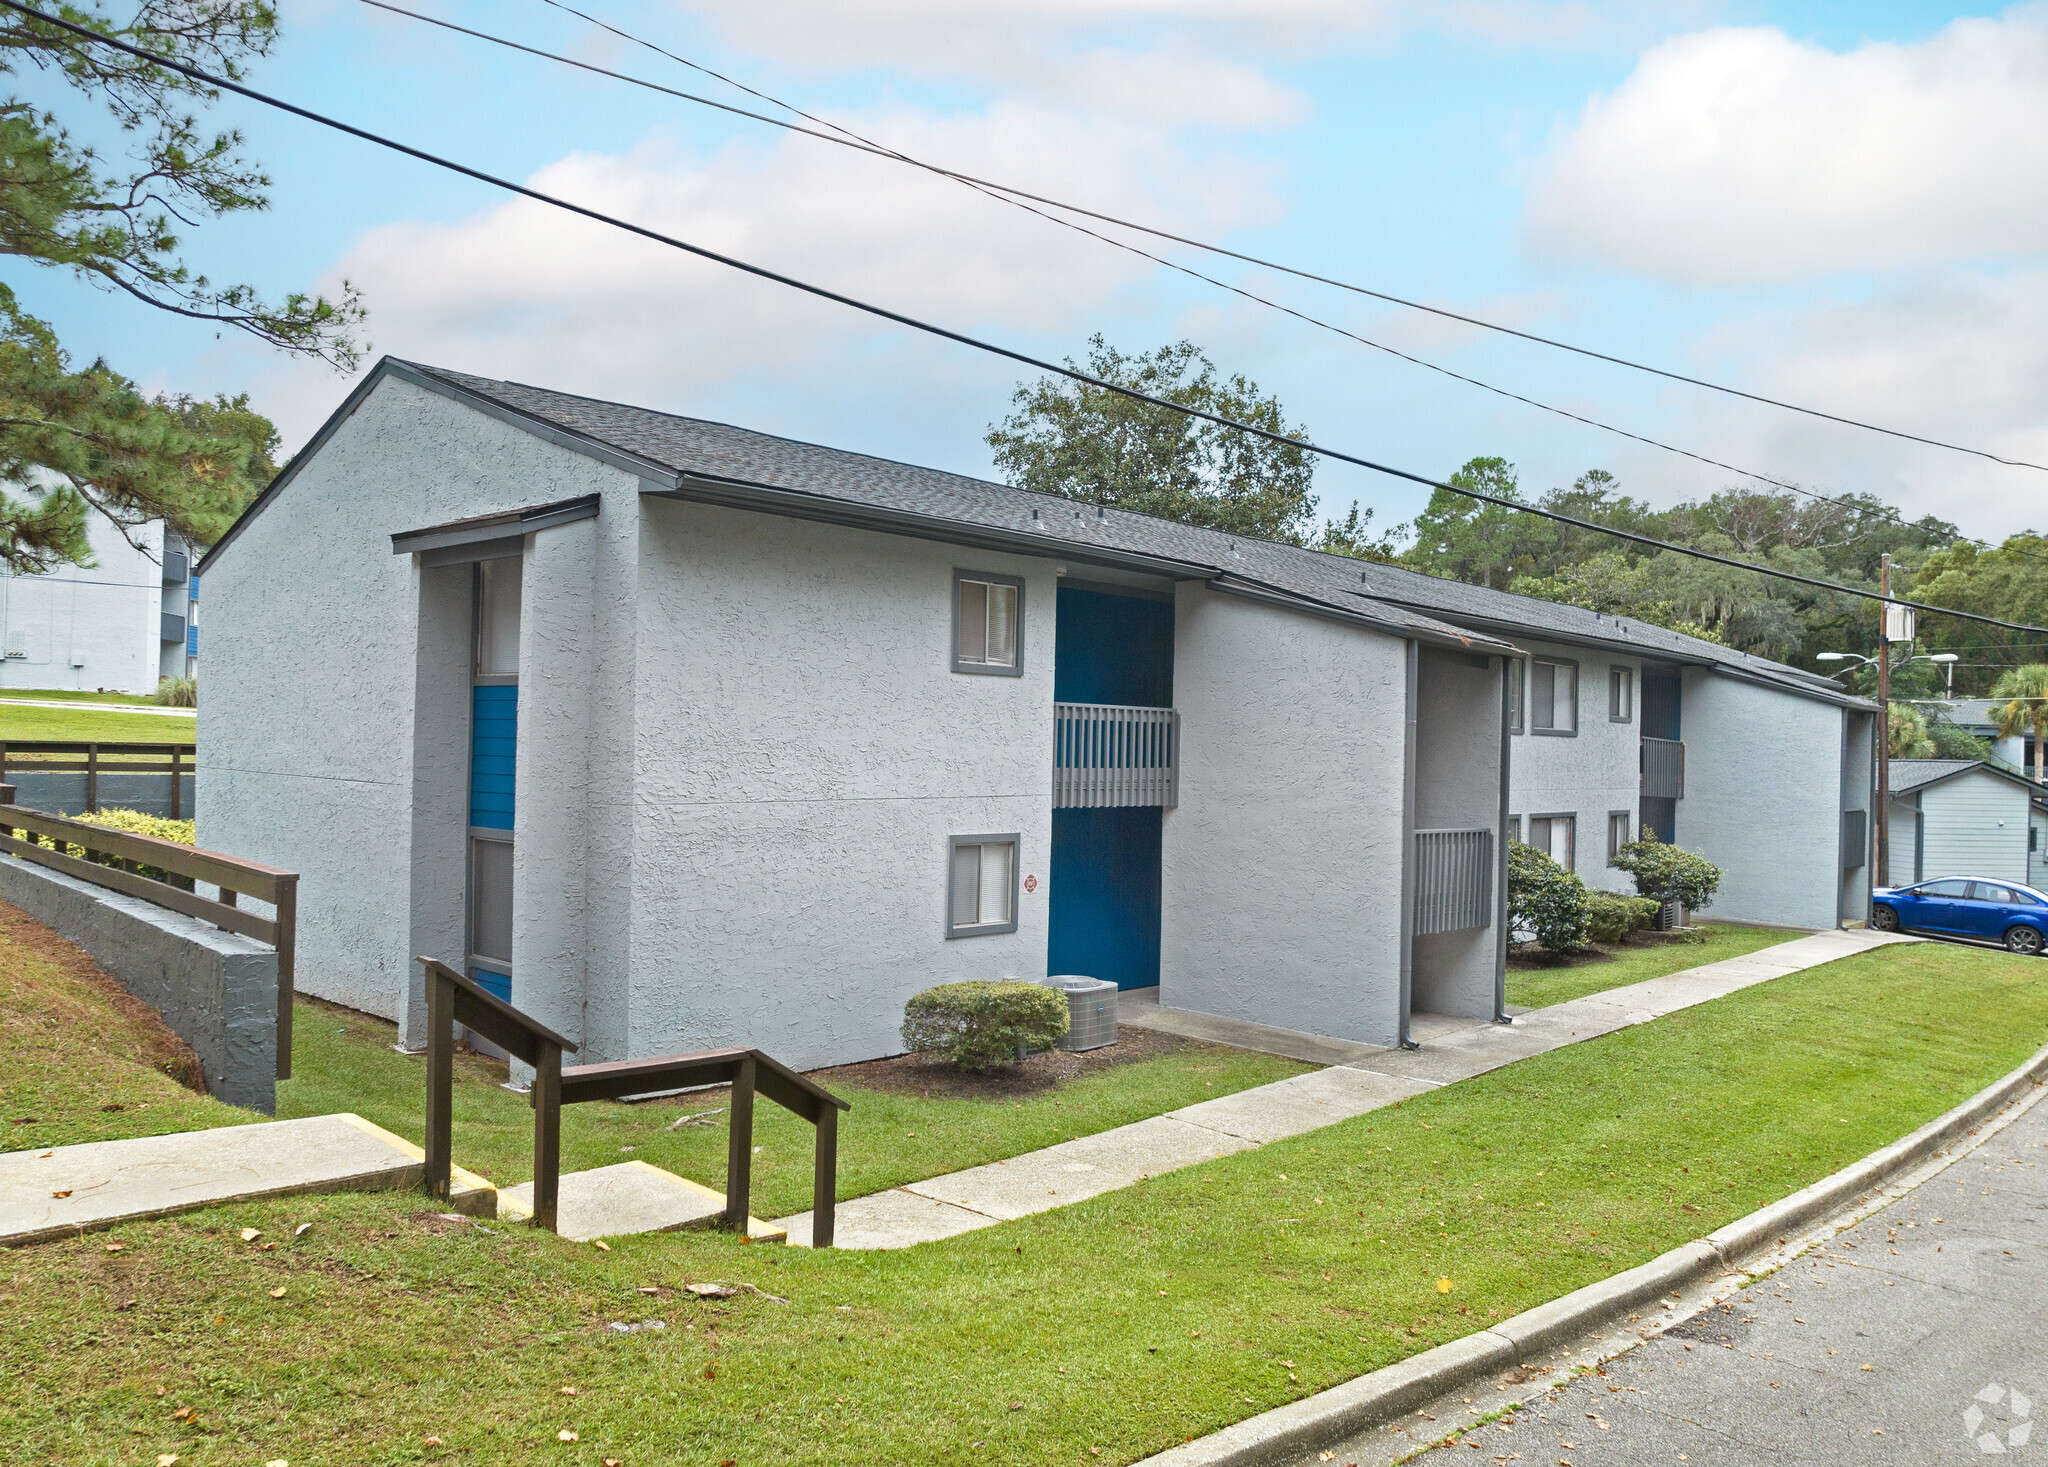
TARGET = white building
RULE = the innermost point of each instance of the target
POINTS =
(117, 626)
(683, 735)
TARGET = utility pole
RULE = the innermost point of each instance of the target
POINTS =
(1882, 826)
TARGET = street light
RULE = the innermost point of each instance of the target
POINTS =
(1950, 658)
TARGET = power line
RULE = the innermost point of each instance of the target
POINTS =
(948, 334)
(1004, 193)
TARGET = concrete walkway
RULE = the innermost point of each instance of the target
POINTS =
(1911, 1337)
(63, 1191)
(101, 707)
(1360, 1078)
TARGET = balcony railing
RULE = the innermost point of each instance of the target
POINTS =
(1104, 754)
(1663, 765)
(1454, 880)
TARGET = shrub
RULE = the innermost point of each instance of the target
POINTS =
(176, 692)
(1546, 899)
(1664, 873)
(184, 832)
(978, 1026)
(1611, 917)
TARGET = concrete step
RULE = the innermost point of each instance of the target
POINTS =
(63, 1191)
(631, 1197)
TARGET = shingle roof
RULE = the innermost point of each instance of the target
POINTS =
(1428, 606)
(1912, 774)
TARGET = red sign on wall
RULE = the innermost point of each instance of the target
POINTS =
(1031, 883)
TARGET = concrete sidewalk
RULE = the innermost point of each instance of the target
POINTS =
(63, 1191)
(1360, 1078)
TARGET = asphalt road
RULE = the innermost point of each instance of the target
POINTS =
(1919, 1336)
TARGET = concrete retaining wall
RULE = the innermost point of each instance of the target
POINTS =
(64, 794)
(216, 990)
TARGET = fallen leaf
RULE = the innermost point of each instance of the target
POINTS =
(1688, 1207)
(125, 1304)
(181, 1413)
(610, 1462)
(277, 1462)
(565, 1435)
(1443, 1286)
(1016, 1405)
(115, 1247)
(711, 1371)
(1870, 1367)
(165, 1459)
(220, 1319)
(278, 1292)
(430, 1441)
(713, 1290)
(250, 1235)
(600, 1245)
(568, 1390)
(300, 1230)
(46, 1153)
(265, 1247)
(65, 1193)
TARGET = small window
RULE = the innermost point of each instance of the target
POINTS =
(490, 920)
(497, 617)
(1554, 697)
(988, 624)
(1621, 694)
(1514, 826)
(981, 884)
(1515, 701)
(1552, 835)
(1617, 832)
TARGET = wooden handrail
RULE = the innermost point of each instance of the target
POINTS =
(187, 863)
(453, 999)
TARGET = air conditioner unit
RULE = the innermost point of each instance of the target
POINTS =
(1091, 1011)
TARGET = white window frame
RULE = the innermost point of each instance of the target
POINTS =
(1557, 665)
(1015, 841)
(984, 668)
(1617, 820)
(1621, 693)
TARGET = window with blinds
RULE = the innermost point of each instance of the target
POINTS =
(1554, 697)
(1617, 832)
(988, 624)
(981, 885)
(1552, 835)
(1621, 694)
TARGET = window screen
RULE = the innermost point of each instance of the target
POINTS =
(983, 885)
(497, 617)
(1617, 833)
(1552, 834)
(1621, 694)
(490, 878)
(1514, 827)
(986, 624)
(1554, 697)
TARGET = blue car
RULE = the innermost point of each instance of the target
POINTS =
(1957, 906)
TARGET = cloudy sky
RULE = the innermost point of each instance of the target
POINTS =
(1841, 204)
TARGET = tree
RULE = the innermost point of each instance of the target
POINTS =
(1469, 540)
(73, 437)
(1908, 729)
(2008, 581)
(2026, 692)
(1100, 447)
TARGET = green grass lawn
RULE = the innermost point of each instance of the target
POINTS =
(1127, 1323)
(1650, 955)
(70, 695)
(343, 1061)
(84, 725)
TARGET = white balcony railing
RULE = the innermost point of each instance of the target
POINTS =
(1104, 754)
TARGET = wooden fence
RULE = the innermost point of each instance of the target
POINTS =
(167, 874)
(49, 756)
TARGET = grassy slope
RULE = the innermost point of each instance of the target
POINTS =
(1649, 957)
(1127, 1323)
(85, 726)
(345, 1062)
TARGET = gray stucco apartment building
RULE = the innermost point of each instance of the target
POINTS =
(682, 735)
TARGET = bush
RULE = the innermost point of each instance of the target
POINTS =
(184, 832)
(1664, 873)
(978, 1026)
(1611, 917)
(176, 692)
(1546, 899)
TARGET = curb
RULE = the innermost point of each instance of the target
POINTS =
(1316, 1421)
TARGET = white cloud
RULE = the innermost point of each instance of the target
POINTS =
(1743, 156)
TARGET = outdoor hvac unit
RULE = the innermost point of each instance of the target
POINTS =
(1091, 1011)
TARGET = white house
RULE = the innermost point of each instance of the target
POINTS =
(1963, 817)
(684, 735)
(119, 625)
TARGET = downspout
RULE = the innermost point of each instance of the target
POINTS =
(1408, 732)
(1500, 905)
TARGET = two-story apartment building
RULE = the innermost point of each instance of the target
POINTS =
(680, 735)
(120, 623)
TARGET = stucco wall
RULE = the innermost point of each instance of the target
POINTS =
(1763, 790)
(804, 750)
(1281, 870)
(312, 665)
(107, 617)
(1859, 792)
(1588, 775)
(1976, 825)
(1457, 787)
